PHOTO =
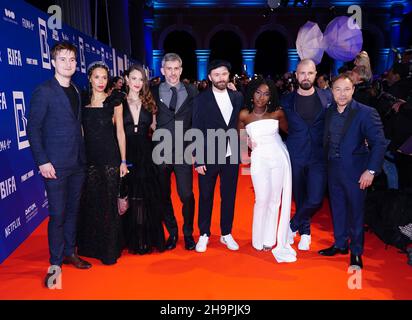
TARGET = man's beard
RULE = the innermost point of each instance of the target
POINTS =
(221, 85)
(305, 85)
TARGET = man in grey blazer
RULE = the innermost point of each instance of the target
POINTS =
(174, 100)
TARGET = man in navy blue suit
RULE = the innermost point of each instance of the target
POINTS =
(354, 147)
(217, 108)
(305, 111)
(55, 135)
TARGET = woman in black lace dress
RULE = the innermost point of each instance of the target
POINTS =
(99, 226)
(143, 220)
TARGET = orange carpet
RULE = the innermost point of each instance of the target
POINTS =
(216, 274)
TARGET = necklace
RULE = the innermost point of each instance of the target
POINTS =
(259, 114)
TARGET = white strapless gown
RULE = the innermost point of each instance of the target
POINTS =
(272, 180)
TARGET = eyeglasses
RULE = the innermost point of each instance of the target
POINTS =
(262, 94)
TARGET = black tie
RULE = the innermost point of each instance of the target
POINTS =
(173, 101)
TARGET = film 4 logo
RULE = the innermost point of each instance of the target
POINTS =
(21, 120)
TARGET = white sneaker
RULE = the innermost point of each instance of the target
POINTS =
(304, 243)
(201, 245)
(229, 242)
(291, 236)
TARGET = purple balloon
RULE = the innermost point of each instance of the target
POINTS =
(342, 39)
(309, 42)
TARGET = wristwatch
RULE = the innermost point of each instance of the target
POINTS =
(372, 172)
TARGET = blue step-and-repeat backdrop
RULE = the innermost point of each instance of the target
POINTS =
(25, 62)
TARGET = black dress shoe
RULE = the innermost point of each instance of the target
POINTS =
(356, 261)
(333, 251)
(53, 272)
(76, 261)
(190, 243)
(171, 242)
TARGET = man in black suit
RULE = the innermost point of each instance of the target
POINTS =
(174, 100)
(217, 108)
(55, 135)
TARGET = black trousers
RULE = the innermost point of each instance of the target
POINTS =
(184, 182)
(228, 174)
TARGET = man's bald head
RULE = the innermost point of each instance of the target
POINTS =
(306, 74)
(306, 63)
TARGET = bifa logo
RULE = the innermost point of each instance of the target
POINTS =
(27, 176)
(12, 227)
(81, 54)
(21, 120)
(14, 57)
(7, 187)
(3, 103)
(9, 14)
(44, 46)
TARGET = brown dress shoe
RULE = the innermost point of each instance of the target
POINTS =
(76, 261)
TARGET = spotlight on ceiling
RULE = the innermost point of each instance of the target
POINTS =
(273, 4)
(305, 3)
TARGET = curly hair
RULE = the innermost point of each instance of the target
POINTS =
(253, 85)
(145, 95)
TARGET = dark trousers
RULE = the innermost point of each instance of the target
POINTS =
(63, 195)
(308, 187)
(184, 182)
(228, 174)
(347, 202)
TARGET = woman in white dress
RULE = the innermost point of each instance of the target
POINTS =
(270, 169)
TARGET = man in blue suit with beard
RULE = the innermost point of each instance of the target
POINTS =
(355, 146)
(305, 111)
